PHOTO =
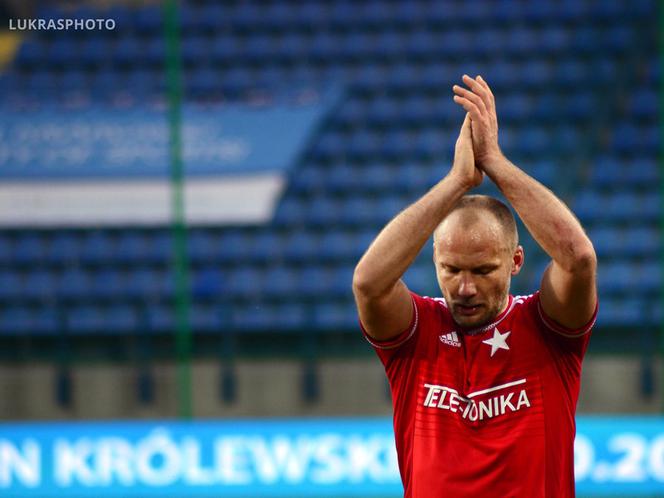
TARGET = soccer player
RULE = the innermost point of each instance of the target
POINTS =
(484, 384)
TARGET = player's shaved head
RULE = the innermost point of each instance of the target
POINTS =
(473, 209)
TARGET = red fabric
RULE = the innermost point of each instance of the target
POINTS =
(469, 423)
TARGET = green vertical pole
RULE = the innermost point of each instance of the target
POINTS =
(660, 38)
(183, 329)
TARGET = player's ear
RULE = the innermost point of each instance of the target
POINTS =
(517, 260)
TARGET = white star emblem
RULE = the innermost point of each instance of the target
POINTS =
(498, 341)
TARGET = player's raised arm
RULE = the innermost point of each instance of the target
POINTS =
(568, 290)
(383, 300)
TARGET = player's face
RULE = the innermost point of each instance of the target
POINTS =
(474, 266)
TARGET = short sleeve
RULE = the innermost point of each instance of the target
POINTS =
(552, 325)
(569, 340)
(400, 339)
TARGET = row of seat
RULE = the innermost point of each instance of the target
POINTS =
(639, 277)
(149, 319)
(380, 179)
(211, 282)
(126, 50)
(215, 319)
(138, 248)
(503, 73)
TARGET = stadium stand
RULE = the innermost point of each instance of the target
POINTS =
(569, 116)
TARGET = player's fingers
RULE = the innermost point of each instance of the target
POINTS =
(486, 86)
(478, 89)
(473, 97)
(469, 106)
(465, 127)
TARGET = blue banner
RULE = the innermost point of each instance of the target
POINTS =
(133, 143)
(278, 458)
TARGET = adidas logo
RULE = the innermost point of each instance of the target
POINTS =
(451, 339)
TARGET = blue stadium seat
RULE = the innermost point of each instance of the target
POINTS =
(203, 82)
(616, 277)
(382, 111)
(39, 284)
(308, 179)
(125, 51)
(206, 318)
(301, 246)
(620, 312)
(642, 242)
(31, 53)
(280, 282)
(160, 248)
(94, 50)
(108, 283)
(121, 319)
(202, 246)
(520, 41)
(88, 319)
(338, 178)
(22, 320)
(152, 284)
(335, 316)
(335, 246)
(11, 284)
(611, 172)
(341, 281)
(63, 52)
(535, 74)
(73, 284)
(571, 73)
(323, 211)
(245, 282)
(265, 247)
(160, 319)
(289, 316)
(624, 206)
(207, 282)
(421, 278)
(84, 320)
(232, 246)
(314, 281)
(6, 249)
(553, 40)
(358, 211)
(515, 107)
(534, 142)
(153, 52)
(29, 248)
(97, 247)
(131, 247)
(149, 20)
(254, 317)
(413, 176)
(643, 103)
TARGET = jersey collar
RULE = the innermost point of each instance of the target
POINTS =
(495, 322)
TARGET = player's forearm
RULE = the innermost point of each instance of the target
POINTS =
(399, 243)
(547, 218)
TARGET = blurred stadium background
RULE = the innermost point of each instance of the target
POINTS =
(292, 131)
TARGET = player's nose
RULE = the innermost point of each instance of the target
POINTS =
(467, 286)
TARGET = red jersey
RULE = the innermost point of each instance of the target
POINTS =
(486, 412)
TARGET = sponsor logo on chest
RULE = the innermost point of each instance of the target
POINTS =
(480, 405)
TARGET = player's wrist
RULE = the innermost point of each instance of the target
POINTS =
(459, 182)
(493, 160)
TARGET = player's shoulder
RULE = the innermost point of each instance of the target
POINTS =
(431, 306)
(525, 303)
(437, 301)
(520, 300)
